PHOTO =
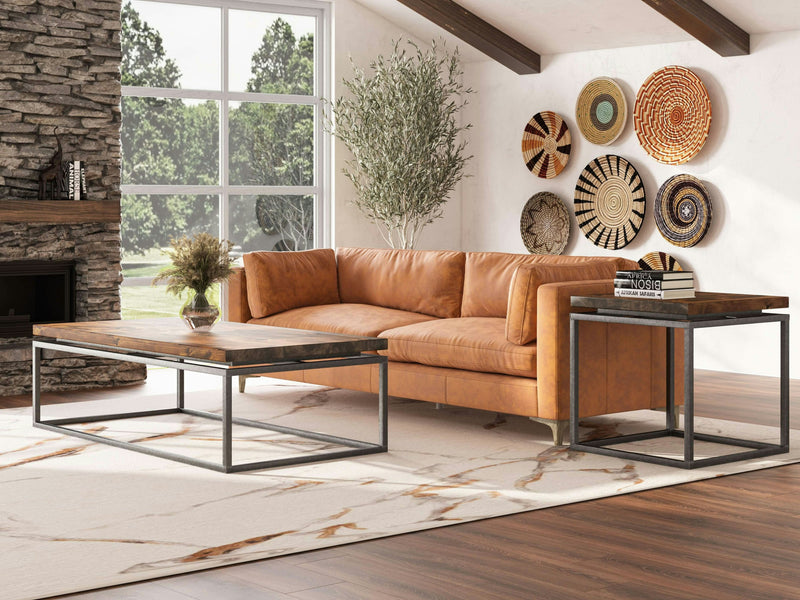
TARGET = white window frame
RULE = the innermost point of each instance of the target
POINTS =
(322, 145)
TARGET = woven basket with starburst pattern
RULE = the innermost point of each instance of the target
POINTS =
(544, 224)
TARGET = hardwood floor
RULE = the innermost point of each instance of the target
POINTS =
(736, 537)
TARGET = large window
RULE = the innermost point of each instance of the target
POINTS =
(221, 131)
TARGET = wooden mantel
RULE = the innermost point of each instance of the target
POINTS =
(61, 212)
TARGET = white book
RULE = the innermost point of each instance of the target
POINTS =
(654, 294)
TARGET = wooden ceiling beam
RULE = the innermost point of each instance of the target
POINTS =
(478, 33)
(707, 25)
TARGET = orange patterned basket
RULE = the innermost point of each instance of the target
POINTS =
(672, 115)
(546, 144)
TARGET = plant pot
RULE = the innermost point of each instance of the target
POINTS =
(199, 314)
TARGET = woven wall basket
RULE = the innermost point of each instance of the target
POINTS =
(546, 144)
(601, 111)
(610, 202)
(672, 115)
(683, 210)
(659, 261)
(544, 224)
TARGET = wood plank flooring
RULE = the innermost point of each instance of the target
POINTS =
(735, 537)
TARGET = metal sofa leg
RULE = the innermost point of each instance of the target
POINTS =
(560, 428)
(242, 382)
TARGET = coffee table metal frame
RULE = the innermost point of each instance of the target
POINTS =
(755, 448)
(227, 371)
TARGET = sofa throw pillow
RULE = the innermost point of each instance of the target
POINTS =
(279, 281)
(525, 282)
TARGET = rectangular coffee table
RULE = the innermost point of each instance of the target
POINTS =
(228, 350)
(707, 309)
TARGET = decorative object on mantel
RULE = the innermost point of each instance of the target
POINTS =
(610, 202)
(683, 210)
(197, 264)
(544, 224)
(546, 144)
(601, 111)
(52, 184)
(62, 180)
(672, 115)
(659, 261)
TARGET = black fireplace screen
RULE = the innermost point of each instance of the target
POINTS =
(35, 291)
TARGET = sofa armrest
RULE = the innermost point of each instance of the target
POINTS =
(238, 308)
(552, 342)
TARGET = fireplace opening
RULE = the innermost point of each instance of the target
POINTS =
(35, 291)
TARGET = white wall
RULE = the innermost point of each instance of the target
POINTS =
(363, 35)
(750, 165)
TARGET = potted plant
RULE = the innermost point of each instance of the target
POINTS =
(400, 124)
(197, 264)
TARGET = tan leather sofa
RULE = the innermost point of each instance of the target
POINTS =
(483, 330)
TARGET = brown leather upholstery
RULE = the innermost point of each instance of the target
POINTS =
(487, 277)
(280, 281)
(622, 367)
(420, 281)
(521, 317)
(353, 319)
(475, 344)
(238, 307)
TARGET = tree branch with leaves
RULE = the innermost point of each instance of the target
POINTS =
(400, 123)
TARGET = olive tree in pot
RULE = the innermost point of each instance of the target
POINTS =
(400, 123)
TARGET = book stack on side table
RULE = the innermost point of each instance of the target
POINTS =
(659, 285)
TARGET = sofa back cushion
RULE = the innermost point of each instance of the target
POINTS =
(279, 281)
(522, 304)
(422, 281)
(487, 277)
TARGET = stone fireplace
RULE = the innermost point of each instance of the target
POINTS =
(59, 73)
(35, 291)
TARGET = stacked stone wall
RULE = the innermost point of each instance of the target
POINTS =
(60, 74)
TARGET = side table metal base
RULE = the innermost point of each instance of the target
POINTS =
(755, 449)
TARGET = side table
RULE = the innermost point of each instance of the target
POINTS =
(705, 310)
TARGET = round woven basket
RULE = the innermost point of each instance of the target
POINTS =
(601, 111)
(683, 210)
(659, 261)
(546, 144)
(672, 115)
(544, 224)
(610, 202)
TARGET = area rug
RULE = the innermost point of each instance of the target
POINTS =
(76, 515)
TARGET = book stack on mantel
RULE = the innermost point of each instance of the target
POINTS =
(658, 285)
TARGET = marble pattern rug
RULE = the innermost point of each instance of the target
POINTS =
(76, 515)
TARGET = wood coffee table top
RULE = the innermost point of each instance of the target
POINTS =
(230, 343)
(703, 304)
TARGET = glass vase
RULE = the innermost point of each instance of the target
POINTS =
(199, 314)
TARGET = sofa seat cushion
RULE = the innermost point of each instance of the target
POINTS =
(473, 344)
(352, 319)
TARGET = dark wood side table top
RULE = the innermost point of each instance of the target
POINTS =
(231, 343)
(702, 305)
